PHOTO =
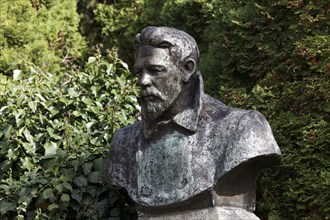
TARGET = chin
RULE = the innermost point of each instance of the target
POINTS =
(153, 110)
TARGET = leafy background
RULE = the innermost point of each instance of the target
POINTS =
(64, 89)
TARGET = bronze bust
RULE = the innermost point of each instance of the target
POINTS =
(191, 156)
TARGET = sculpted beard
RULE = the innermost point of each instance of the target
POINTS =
(153, 103)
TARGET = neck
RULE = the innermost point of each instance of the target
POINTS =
(185, 99)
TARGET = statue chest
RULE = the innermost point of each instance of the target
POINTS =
(173, 168)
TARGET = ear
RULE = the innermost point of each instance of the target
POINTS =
(189, 68)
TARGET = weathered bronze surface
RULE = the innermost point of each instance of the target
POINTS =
(191, 155)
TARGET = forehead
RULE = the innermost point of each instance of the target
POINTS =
(152, 55)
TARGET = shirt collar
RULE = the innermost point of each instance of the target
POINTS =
(188, 118)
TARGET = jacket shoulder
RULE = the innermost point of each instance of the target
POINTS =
(126, 135)
(252, 138)
(121, 161)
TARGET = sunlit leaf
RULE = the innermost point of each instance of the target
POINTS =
(33, 105)
(17, 74)
(91, 59)
(40, 97)
(50, 148)
(73, 93)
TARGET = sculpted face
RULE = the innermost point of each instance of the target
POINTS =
(159, 78)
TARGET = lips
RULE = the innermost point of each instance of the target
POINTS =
(147, 94)
(148, 97)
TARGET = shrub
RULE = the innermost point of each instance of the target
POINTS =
(274, 57)
(43, 32)
(55, 130)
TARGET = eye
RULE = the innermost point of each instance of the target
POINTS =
(156, 69)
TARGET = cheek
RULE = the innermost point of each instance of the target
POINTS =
(175, 78)
(173, 86)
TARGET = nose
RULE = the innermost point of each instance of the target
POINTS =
(145, 79)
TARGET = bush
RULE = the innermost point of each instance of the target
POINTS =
(274, 57)
(43, 32)
(55, 130)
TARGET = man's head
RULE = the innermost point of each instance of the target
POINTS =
(166, 58)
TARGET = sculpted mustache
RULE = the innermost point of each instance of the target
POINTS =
(154, 93)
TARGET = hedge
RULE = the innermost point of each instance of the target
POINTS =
(55, 131)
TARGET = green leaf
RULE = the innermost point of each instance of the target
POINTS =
(52, 207)
(65, 198)
(76, 113)
(73, 93)
(17, 74)
(92, 190)
(95, 109)
(41, 97)
(110, 69)
(67, 186)
(87, 167)
(75, 164)
(75, 205)
(30, 148)
(95, 89)
(47, 193)
(91, 59)
(89, 124)
(50, 164)
(28, 135)
(62, 155)
(80, 181)
(102, 207)
(94, 140)
(9, 131)
(76, 197)
(6, 165)
(50, 148)
(6, 206)
(4, 187)
(33, 105)
(65, 100)
(87, 101)
(124, 64)
(26, 163)
(19, 100)
(53, 111)
(59, 187)
(99, 164)
(12, 154)
(95, 177)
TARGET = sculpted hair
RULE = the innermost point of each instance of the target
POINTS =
(180, 44)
